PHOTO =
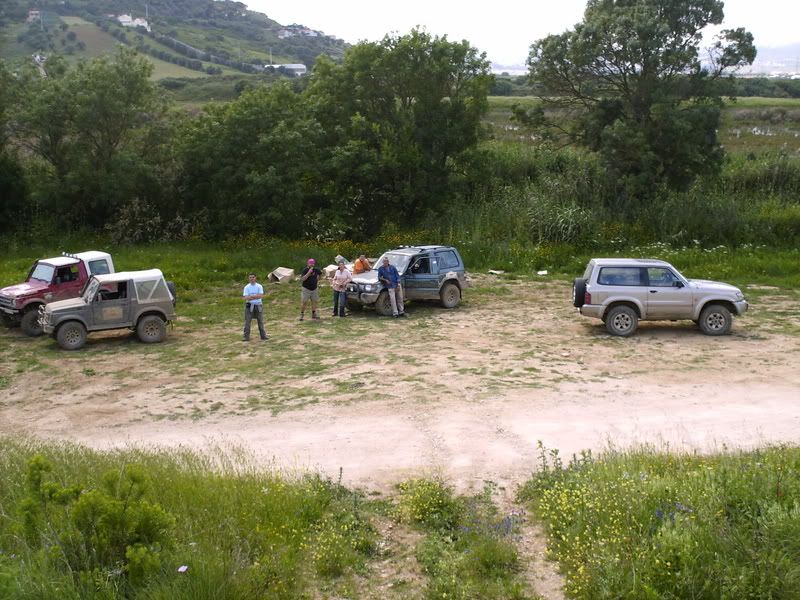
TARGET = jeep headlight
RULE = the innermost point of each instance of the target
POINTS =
(739, 296)
(368, 287)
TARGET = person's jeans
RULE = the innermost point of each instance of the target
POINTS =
(254, 311)
(339, 302)
(396, 298)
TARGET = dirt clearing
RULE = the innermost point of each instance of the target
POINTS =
(466, 393)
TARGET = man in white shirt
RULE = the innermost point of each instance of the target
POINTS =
(253, 308)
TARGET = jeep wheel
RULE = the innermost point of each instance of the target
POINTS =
(578, 292)
(30, 323)
(621, 321)
(8, 321)
(383, 306)
(71, 335)
(715, 320)
(151, 329)
(450, 295)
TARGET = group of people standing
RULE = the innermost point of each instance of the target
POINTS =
(253, 292)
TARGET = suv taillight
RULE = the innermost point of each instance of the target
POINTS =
(587, 298)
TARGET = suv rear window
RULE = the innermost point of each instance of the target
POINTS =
(447, 259)
(99, 267)
(152, 290)
(620, 276)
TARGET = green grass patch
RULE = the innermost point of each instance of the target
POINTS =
(469, 550)
(640, 524)
(76, 523)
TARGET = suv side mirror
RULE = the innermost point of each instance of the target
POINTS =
(677, 284)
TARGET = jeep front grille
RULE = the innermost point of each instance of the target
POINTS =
(7, 301)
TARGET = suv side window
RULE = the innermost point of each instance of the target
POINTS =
(447, 260)
(620, 276)
(67, 274)
(99, 267)
(421, 265)
(661, 277)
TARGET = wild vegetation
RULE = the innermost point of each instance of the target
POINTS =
(133, 524)
(397, 143)
(637, 524)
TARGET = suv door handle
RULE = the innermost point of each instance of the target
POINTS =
(653, 291)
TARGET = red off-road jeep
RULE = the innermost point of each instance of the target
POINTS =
(50, 279)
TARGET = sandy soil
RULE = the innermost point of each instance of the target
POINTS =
(472, 393)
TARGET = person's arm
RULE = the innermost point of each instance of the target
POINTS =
(256, 296)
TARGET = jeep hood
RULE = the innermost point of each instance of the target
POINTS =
(366, 278)
(713, 286)
(65, 304)
(24, 289)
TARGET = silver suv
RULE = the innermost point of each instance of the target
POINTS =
(621, 291)
(138, 300)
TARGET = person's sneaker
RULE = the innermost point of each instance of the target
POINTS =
(245, 339)
(402, 314)
(301, 318)
(315, 317)
(395, 316)
(265, 339)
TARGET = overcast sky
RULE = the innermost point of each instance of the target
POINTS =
(501, 28)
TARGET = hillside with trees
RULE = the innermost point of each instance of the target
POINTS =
(204, 36)
(401, 134)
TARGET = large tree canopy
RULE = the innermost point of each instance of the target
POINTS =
(94, 127)
(397, 114)
(633, 82)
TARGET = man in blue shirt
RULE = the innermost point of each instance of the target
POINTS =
(388, 275)
(253, 308)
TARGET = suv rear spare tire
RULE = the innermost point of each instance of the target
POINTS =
(173, 290)
(578, 292)
(621, 320)
(71, 335)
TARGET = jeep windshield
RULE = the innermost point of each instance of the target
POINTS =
(400, 261)
(42, 272)
(90, 290)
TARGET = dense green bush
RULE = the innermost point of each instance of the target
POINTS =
(81, 524)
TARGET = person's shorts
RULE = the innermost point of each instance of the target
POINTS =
(306, 295)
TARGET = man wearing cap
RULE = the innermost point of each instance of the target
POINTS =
(309, 292)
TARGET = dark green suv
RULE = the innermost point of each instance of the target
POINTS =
(427, 273)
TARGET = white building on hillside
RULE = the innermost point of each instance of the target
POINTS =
(296, 70)
(128, 21)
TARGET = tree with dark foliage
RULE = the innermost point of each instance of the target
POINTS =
(632, 82)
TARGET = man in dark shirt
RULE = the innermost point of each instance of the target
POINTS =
(309, 292)
(388, 275)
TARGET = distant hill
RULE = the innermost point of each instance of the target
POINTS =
(185, 37)
(783, 60)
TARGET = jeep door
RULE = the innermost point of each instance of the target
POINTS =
(67, 282)
(668, 297)
(112, 306)
(422, 278)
